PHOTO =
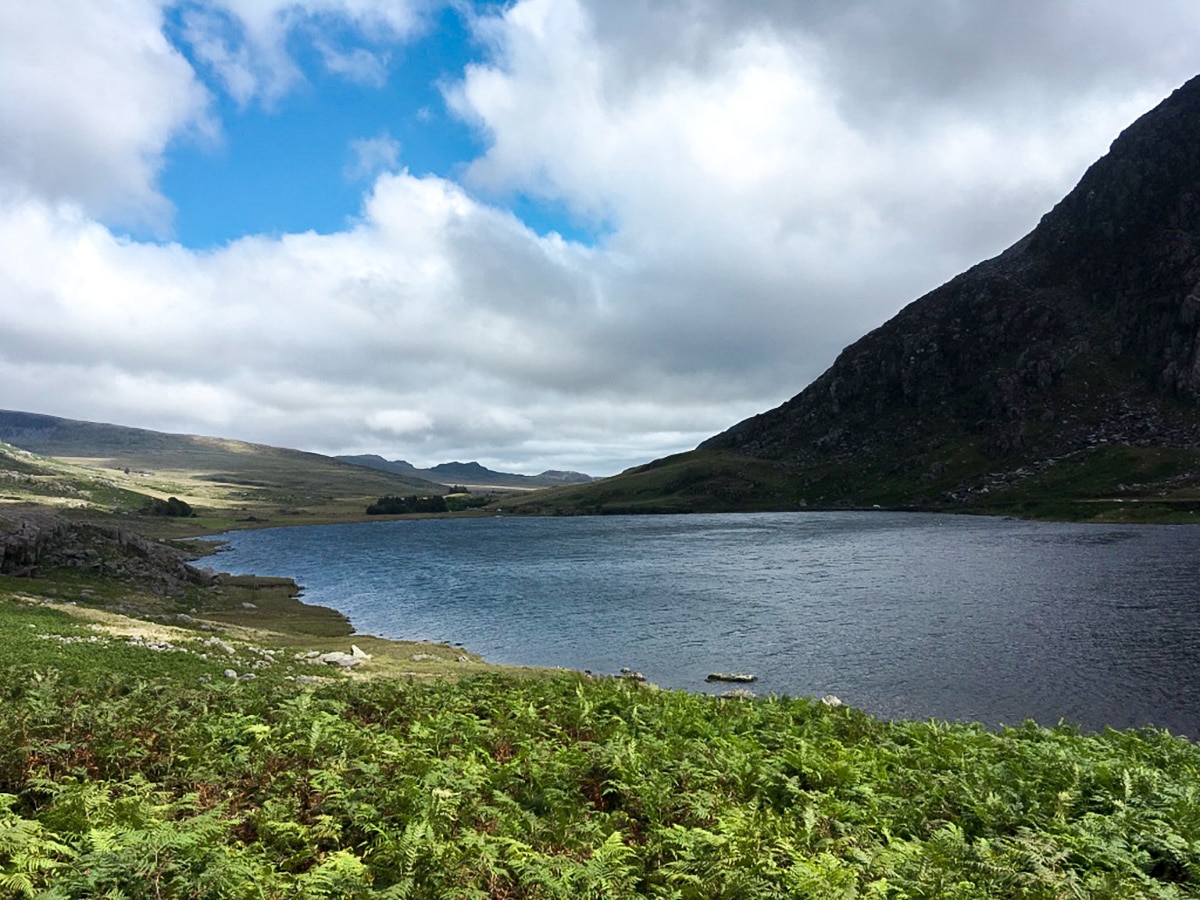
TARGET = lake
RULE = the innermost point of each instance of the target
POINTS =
(903, 615)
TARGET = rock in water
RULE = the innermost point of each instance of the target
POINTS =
(737, 677)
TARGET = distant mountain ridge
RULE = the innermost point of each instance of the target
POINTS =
(468, 474)
(1067, 366)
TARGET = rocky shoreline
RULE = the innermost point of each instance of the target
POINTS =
(31, 542)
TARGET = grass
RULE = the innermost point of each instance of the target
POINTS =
(698, 481)
(242, 610)
(1104, 483)
(230, 484)
(139, 773)
(134, 766)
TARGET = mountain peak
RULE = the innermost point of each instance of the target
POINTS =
(1081, 339)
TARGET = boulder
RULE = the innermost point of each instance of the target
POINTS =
(736, 677)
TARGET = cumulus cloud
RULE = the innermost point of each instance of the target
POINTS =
(772, 180)
(91, 94)
(357, 64)
(245, 42)
(370, 156)
(781, 177)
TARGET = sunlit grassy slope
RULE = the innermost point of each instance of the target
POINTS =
(107, 468)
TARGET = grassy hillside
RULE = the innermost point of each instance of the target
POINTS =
(106, 468)
(1103, 483)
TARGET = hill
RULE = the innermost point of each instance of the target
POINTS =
(1061, 377)
(469, 474)
(112, 468)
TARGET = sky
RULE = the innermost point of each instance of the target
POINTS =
(543, 234)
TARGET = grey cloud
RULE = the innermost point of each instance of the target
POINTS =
(931, 51)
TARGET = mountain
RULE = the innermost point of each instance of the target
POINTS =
(1060, 377)
(371, 461)
(469, 474)
(112, 467)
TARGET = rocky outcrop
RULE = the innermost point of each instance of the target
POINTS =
(1087, 331)
(32, 542)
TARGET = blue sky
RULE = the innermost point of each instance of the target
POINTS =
(289, 164)
(540, 234)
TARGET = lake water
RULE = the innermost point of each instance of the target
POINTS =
(903, 615)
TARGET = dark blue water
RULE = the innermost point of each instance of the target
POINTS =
(900, 614)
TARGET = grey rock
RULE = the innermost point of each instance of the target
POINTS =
(220, 645)
(29, 541)
(337, 658)
(737, 677)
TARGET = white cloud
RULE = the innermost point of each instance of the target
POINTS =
(774, 179)
(778, 177)
(358, 65)
(91, 94)
(245, 42)
(370, 156)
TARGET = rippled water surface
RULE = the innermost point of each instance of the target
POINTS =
(902, 615)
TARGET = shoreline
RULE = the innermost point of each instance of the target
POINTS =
(92, 571)
(587, 644)
(255, 605)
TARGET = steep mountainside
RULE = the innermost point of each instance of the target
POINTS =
(1067, 368)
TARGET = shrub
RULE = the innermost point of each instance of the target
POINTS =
(395, 506)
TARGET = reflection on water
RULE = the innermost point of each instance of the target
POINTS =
(900, 614)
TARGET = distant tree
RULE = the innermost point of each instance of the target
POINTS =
(460, 502)
(396, 506)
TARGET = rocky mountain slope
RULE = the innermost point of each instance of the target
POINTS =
(32, 541)
(1067, 367)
